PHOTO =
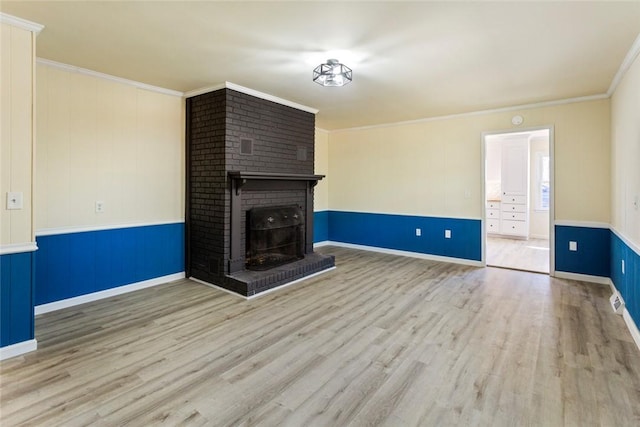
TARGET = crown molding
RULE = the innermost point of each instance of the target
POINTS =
(481, 112)
(252, 92)
(632, 54)
(86, 72)
(20, 23)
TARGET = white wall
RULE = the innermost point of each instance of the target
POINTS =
(17, 48)
(101, 140)
(425, 168)
(321, 191)
(625, 157)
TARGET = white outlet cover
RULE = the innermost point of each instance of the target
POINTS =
(99, 206)
(622, 266)
(447, 234)
(573, 246)
(418, 232)
(14, 200)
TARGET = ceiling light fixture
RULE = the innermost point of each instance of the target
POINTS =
(332, 74)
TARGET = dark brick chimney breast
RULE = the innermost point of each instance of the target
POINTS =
(230, 131)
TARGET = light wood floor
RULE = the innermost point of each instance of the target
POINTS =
(381, 340)
(530, 255)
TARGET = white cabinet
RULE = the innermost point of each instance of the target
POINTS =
(493, 217)
(514, 206)
(515, 168)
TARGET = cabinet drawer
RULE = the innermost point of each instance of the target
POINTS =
(493, 226)
(509, 207)
(515, 216)
(493, 213)
(493, 205)
(514, 199)
(518, 228)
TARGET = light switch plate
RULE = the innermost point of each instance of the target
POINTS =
(573, 246)
(14, 200)
(447, 234)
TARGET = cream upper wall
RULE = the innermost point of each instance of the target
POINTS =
(321, 191)
(426, 168)
(17, 47)
(100, 140)
(625, 157)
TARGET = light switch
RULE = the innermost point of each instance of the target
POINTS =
(14, 200)
(447, 234)
(573, 246)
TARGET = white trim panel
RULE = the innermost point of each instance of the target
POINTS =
(582, 277)
(18, 248)
(406, 253)
(18, 349)
(626, 241)
(252, 92)
(633, 328)
(403, 214)
(268, 291)
(20, 23)
(628, 320)
(82, 299)
(586, 224)
(70, 230)
(79, 70)
(633, 52)
(482, 112)
(321, 244)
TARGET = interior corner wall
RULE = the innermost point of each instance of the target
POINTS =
(100, 140)
(429, 174)
(17, 51)
(625, 189)
(321, 191)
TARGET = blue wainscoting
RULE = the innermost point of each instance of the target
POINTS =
(592, 256)
(627, 283)
(16, 298)
(74, 264)
(320, 226)
(399, 232)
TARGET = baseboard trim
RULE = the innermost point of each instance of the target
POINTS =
(631, 325)
(601, 280)
(18, 349)
(268, 291)
(321, 244)
(82, 299)
(407, 254)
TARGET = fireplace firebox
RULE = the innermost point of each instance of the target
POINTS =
(275, 236)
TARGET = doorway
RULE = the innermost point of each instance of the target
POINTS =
(518, 193)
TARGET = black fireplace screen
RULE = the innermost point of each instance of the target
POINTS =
(275, 236)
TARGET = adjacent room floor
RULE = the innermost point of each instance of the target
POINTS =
(381, 340)
(528, 255)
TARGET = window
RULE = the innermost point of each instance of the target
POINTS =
(542, 182)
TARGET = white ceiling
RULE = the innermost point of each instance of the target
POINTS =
(409, 60)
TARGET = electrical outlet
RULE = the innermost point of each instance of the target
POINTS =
(622, 266)
(418, 232)
(447, 234)
(573, 246)
(99, 207)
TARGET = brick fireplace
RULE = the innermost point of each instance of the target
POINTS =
(245, 154)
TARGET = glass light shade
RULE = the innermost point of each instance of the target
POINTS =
(332, 74)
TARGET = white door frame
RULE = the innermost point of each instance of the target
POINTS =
(552, 190)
